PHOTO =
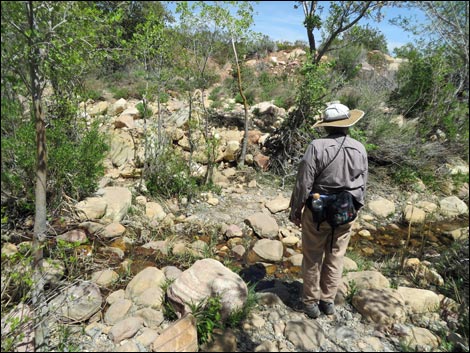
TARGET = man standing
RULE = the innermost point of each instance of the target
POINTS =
(330, 165)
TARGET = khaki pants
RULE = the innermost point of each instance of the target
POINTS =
(322, 268)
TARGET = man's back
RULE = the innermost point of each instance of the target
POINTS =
(349, 169)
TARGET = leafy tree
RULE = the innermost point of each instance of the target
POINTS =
(352, 46)
(415, 81)
(151, 46)
(237, 27)
(318, 81)
(233, 19)
(343, 15)
(202, 31)
(128, 16)
(45, 43)
(260, 47)
(446, 26)
(438, 66)
(368, 38)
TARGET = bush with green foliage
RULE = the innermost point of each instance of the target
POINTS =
(377, 60)
(415, 84)
(367, 38)
(427, 91)
(348, 61)
(75, 157)
(145, 111)
(168, 176)
(288, 46)
(313, 90)
(260, 47)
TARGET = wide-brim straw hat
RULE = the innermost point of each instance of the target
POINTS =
(339, 115)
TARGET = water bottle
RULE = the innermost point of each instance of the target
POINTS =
(317, 208)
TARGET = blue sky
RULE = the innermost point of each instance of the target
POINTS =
(280, 21)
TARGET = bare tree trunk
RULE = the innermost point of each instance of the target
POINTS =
(40, 226)
(309, 12)
(190, 132)
(245, 105)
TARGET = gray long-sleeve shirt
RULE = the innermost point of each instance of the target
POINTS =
(348, 171)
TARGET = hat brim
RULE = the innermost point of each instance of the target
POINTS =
(354, 116)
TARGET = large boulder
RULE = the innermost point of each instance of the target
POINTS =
(384, 306)
(204, 279)
(452, 206)
(118, 201)
(77, 303)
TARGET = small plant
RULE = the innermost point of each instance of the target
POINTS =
(231, 265)
(144, 110)
(66, 341)
(216, 104)
(445, 345)
(169, 176)
(362, 263)
(166, 284)
(13, 329)
(215, 93)
(92, 94)
(208, 317)
(352, 290)
(17, 277)
(169, 312)
(460, 179)
(118, 93)
(185, 259)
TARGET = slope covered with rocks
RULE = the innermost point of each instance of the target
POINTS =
(138, 254)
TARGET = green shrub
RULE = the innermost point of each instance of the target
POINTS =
(120, 92)
(146, 112)
(405, 175)
(348, 62)
(18, 276)
(74, 162)
(360, 135)
(169, 176)
(92, 94)
(18, 161)
(208, 317)
(164, 97)
(282, 102)
(215, 93)
(377, 60)
(286, 45)
(14, 337)
(249, 95)
(350, 98)
(260, 47)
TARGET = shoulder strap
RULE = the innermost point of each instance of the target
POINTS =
(336, 155)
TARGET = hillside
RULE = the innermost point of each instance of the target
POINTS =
(118, 253)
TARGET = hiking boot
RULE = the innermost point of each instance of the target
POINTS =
(312, 310)
(327, 307)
